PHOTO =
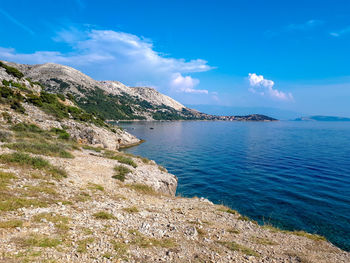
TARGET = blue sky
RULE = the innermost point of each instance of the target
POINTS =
(292, 55)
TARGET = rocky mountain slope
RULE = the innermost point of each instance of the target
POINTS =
(113, 100)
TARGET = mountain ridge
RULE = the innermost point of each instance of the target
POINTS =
(112, 100)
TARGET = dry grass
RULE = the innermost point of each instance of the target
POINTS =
(42, 148)
(237, 247)
(122, 158)
(233, 231)
(37, 240)
(103, 215)
(245, 218)
(95, 187)
(143, 189)
(82, 197)
(120, 248)
(144, 242)
(263, 241)
(12, 203)
(313, 237)
(26, 161)
(132, 209)
(162, 169)
(82, 244)
(11, 223)
(226, 209)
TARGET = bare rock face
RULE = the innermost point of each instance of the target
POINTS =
(148, 94)
(151, 175)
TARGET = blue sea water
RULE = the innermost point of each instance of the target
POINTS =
(294, 175)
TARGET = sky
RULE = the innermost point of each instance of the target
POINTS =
(290, 55)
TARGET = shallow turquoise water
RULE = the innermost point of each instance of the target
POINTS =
(295, 175)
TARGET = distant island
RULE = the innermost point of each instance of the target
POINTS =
(322, 118)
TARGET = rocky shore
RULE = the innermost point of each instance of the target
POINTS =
(89, 213)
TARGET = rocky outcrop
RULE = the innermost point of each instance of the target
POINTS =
(85, 133)
(145, 93)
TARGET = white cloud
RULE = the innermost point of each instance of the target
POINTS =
(186, 84)
(340, 32)
(264, 87)
(308, 25)
(111, 55)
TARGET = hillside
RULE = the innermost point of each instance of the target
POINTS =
(112, 100)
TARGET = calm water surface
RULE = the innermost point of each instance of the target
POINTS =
(294, 175)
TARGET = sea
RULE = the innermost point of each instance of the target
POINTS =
(293, 175)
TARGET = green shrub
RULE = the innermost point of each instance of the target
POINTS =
(61, 96)
(17, 106)
(120, 158)
(120, 172)
(25, 127)
(11, 70)
(7, 116)
(35, 100)
(62, 134)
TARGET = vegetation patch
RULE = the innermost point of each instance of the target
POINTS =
(5, 179)
(233, 231)
(12, 71)
(120, 172)
(162, 169)
(233, 246)
(42, 148)
(263, 241)
(51, 104)
(62, 134)
(200, 231)
(11, 223)
(132, 209)
(37, 240)
(82, 244)
(142, 188)
(25, 160)
(82, 197)
(5, 136)
(120, 247)
(103, 215)
(227, 210)
(314, 237)
(36, 190)
(91, 148)
(145, 242)
(95, 187)
(120, 158)
(12, 97)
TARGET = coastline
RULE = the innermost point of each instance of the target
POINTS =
(94, 214)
